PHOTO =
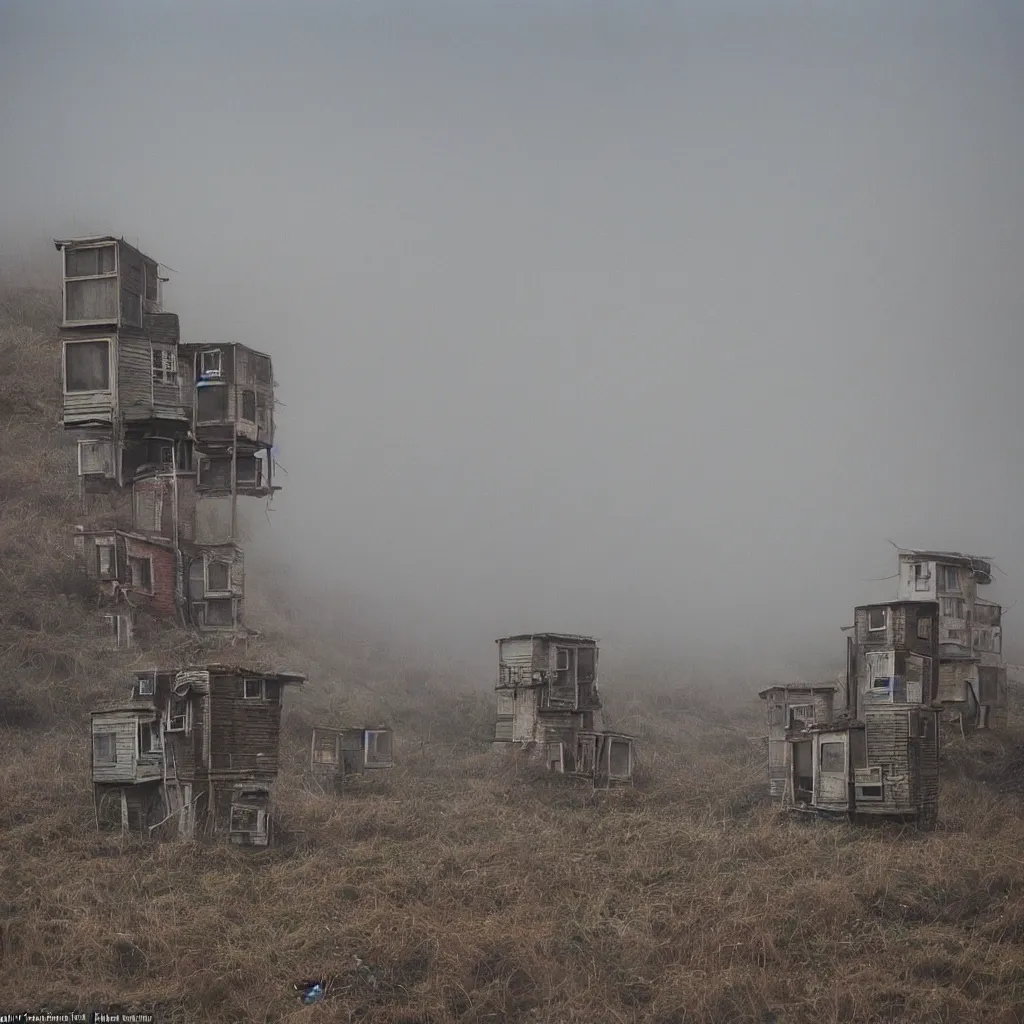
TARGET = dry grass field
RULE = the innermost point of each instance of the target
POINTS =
(463, 887)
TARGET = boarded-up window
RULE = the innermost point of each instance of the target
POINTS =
(262, 369)
(245, 819)
(988, 685)
(86, 366)
(95, 458)
(876, 619)
(924, 628)
(249, 406)
(914, 669)
(922, 575)
(218, 577)
(142, 574)
(212, 403)
(90, 262)
(833, 757)
(104, 748)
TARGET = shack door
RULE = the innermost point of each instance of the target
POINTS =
(832, 776)
(803, 772)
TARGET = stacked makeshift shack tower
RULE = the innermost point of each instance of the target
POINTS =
(170, 435)
(548, 701)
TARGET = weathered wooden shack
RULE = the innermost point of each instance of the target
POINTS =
(336, 755)
(893, 654)
(548, 700)
(197, 585)
(791, 707)
(883, 764)
(972, 673)
(230, 390)
(196, 747)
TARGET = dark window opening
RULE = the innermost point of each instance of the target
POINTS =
(219, 612)
(87, 366)
(876, 618)
(142, 574)
(869, 791)
(212, 403)
(249, 406)
(218, 577)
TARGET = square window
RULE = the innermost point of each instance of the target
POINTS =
(252, 689)
(146, 685)
(210, 363)
(104, 748)
(86, 366)
(876, 619)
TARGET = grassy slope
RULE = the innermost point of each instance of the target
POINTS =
(477, 891)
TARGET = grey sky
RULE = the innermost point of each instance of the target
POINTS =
(651, 320)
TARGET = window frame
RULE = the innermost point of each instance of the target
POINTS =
(214, 374)
(885, 619)
(185, 717)
(111, 573)
(131, 573)
(68, 342)
(105, 734)
(167, 374)
(821, 757)
(207, 589)
(922, 575)
(259, 695)
(951, 571)
(243, 392)
(110, 275)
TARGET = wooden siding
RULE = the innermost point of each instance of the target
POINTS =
(131, 765)
(516, 658)
(90, 407)
(154, 505)
(241, 729)
(134, 375)
(888, 741)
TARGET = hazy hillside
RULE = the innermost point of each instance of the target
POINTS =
(471, 889)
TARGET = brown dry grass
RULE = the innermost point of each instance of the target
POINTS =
(471, 889)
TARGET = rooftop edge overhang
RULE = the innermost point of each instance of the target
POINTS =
(796, 688)
(575, 638)
(61, 243)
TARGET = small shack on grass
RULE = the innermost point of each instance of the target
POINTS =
(792, 707)
(549, 703)
(883, 764)
(337, 755)
(194, 750)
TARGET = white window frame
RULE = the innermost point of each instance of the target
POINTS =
(215, 374)
(259, 695)
(612, 740)
(185, 719)
(83, 445)
(207, 591)
(154, 731)
(922, 575)
(165, 369)
(376, 763)
(131, 572)
(559, 653)
(149, 681)
(885, 620)
(261, 820)
(116, 274)
(109, 389)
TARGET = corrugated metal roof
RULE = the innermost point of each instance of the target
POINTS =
(59, 243)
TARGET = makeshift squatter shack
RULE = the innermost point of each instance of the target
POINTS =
(195, 747)
(882, 765)
(339, 754)
(792, 707)
(548, 701)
